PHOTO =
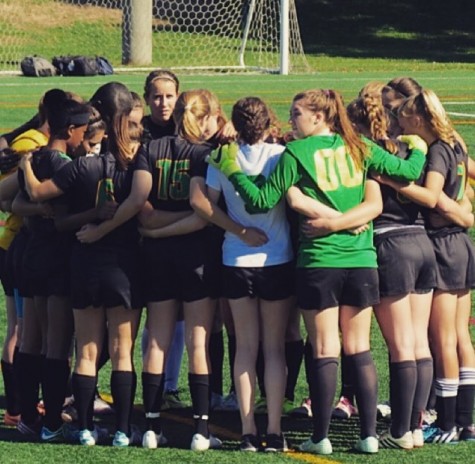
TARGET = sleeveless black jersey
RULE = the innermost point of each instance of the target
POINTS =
(172, 161)
(451, 163)
(88, 181)
(397, 209)
(45, 163)
(152, 131)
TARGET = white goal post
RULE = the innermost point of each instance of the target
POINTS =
(184, 35)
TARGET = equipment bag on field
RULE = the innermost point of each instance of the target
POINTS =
(80, 65)
(37, 66)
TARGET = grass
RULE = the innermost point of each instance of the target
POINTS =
(456, 88)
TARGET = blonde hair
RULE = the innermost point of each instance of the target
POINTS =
(191, 108)
(427, 105)
(330, 103)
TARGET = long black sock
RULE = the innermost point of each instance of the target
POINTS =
(347, 379)
(122, 389)
(308, 360)
(465, 397)
(425, 374)
(231, 356)
(55, 380)
(323, 374)
(216, 354)
(293, 359)
(446, 402)
(403, 387)
(29, 369)
(11, 388)
(152, 385)
(199, 391)
(366, 392)
(84, 387)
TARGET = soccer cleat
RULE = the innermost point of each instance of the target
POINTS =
(406, 442)
(369, 445)
(323, 447)
(275, 443)
(201, 443)
(10, 420)
(434, 434)
(344, 409)
(287, 406)
(261, 406)
(228, 403)
(121, 440)
(384, 411)
(152, 440)
(429, 416)
(305, 410)
(30, 429)
(250, 443)
(92, 437)
(102, 407)
(418, 438)
(49, 436)
(69, 414)
(467, 433)
(171, 400)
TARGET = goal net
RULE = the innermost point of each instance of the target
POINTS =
(187, 35)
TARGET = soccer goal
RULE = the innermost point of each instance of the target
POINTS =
(185, 35)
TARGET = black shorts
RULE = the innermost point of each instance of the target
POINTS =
(5, 276)
(406, 263)
(270, 283)
(178, 268)
(455, 256)
(14, 262)
(46, 263)
(105, 277)
(321, 288)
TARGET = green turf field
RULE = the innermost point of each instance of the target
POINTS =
(456, 87)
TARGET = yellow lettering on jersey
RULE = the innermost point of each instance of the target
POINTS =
(335, 168)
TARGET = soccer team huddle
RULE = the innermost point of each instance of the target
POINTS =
(358, 210)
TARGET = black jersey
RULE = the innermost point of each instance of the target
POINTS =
(397, 209)
(451, 163)
(172, 161)
(45, 163)
(152, 131)
(88, 181)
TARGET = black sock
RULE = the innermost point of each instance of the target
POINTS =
(29, 370)
(83, 390)
(446, 402)
(231, 356)
(122, 389)
(323, 374)
(308, 360)
(216, 354)
(366, 392)
(293, 359)
(347, 379)
(425, 373)
(11, 388)
(152, 385)
(55, 380)
(403, 386)
(199, 390)
(465, 397)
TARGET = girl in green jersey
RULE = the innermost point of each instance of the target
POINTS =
(337, 280)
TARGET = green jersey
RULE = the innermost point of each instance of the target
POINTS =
(322, 168)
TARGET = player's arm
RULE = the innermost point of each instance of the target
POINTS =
(151, 218)
(141, 186)
(307, 206)
(453, 212)
(9, 187)
(366, 211)
(24, 207)
(38, 191)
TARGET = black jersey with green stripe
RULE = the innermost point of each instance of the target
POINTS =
(451, 163)
(172, 162)
(323, 169)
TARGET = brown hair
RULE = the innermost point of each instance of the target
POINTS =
(251, 119)
(330, 103)
(406, 86)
